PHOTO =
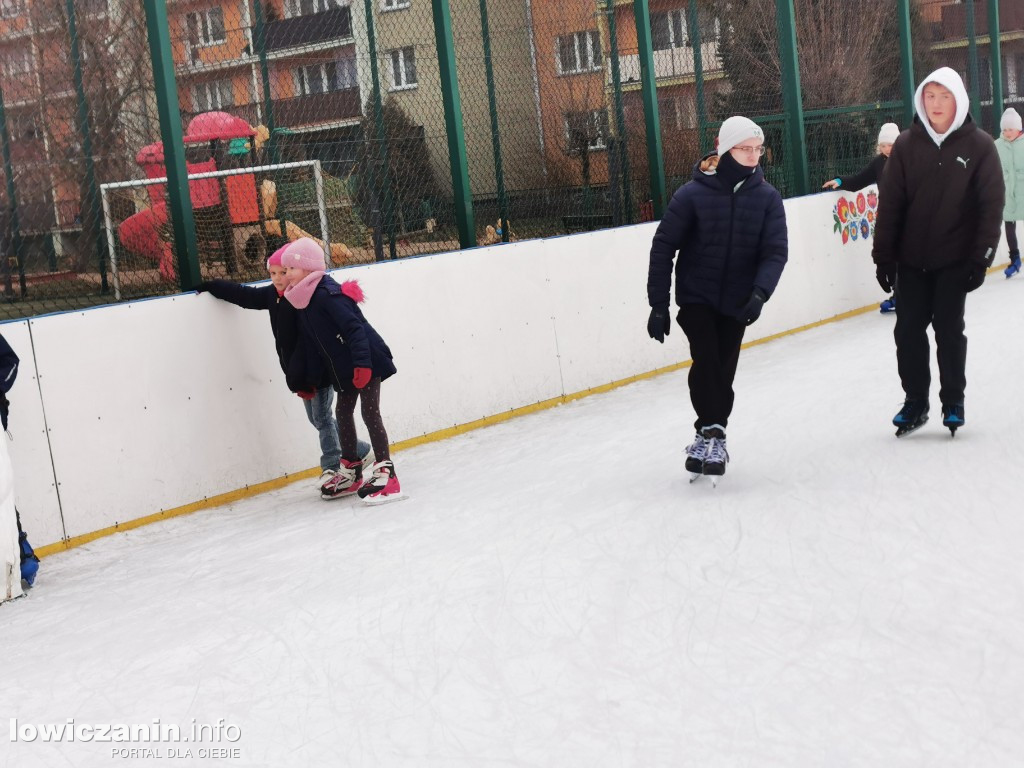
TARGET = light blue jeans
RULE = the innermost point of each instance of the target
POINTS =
(320, 412)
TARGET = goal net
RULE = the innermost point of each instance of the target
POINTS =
(241, 216)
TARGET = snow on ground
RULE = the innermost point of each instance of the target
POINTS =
(556, 594)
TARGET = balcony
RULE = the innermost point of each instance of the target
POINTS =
(669, 64)
(309, 31)
(318, 108)
(301, 111)
(954, 19)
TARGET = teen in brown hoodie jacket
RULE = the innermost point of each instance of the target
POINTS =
(937, 230)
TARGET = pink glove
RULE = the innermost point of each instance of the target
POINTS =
(361, 377)
(306, 394)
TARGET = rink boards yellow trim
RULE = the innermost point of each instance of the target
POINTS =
(442, 434)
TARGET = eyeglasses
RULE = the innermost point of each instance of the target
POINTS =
(753, 150)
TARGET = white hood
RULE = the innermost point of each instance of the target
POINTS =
(948, 78)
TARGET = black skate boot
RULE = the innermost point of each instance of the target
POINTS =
(953, 416)
(717, 455)
(912, 416)
(695, 455)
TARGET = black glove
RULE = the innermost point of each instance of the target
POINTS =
(659, 323)
(975, 275)
(204, 286)
(885, 273)
(752, 309)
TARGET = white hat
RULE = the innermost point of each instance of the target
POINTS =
(888, 133)
(1010, 119)
(735, 130)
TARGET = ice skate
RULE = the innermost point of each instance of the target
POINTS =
(717, 456)
(695, 454)
(347, 480)
(1014, 267)
(912, 416)
(887, 306)
(953, 416)
(383, 486)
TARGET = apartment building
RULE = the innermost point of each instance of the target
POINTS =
(40, 104)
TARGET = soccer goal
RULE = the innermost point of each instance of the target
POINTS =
(238, 212)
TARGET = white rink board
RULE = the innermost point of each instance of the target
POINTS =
(35, 489)
(157, 404)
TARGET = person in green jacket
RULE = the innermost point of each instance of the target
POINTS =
(1011, 155)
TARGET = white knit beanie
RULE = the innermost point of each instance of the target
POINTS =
(1010, 119)
(735, 131)
(888, 133)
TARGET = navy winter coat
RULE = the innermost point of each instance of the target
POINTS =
(336, 330)
(301, 370)
(728, 243)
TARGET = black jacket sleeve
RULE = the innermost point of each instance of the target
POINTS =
(774, 246)
(668, 239)
(870, 174)
(245, 296)
(8, 366)
(892, 207)
(990, 194)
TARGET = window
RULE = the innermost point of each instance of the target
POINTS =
(213, 94)
(709, 25)
(586, 129)
(329, 76)
(580, 52)
(11, 8)
(22, 127)
(403, 68)
(668, 30)
(294, 8)
(394, 5)
(206, 27)
(16, 62)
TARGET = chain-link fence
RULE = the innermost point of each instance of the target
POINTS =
(330, 118)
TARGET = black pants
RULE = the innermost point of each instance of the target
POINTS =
(1011, 237)
(715, 350)
(369, 399)
(937, 298)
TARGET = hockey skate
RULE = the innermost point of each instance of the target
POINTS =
(717, 456)
(695, 454)
(912, 416)
(887, 306)
(347, 480)
(383, 486)
(953, 416)
(1014, 267)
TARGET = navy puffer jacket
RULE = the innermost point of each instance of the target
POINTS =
(338, 332)
(728, 243)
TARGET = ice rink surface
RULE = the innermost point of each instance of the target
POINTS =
(555, 593)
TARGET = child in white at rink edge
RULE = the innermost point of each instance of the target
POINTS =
(356, 358)
(1011, 156)
(872, 174)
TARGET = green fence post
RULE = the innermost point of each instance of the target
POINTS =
(383, 184)
(453, 123)
(693, 23)
(907, 85)
(995, 51)
(17, 245)
(260, 44)
(791, 97)
(620, 114)
(96, 213)
(973, 76)
(180, 202)
(499, 171)
(655, 156)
